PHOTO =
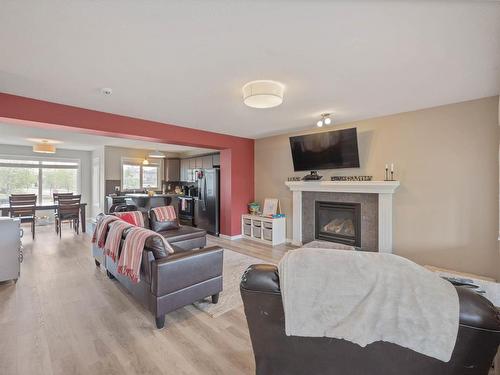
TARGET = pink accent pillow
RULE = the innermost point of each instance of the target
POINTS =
(133, 217)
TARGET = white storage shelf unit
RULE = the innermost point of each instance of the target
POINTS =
(264, 229)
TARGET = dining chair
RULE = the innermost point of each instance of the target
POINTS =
(68, 209)
(23, 206)
(55, 197)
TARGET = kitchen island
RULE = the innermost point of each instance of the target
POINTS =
(145, 202)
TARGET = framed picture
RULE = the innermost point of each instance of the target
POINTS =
(271, 207)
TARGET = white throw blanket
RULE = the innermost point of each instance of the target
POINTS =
(365, 297)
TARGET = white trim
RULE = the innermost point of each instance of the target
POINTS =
(297, 218)
(231, 238)
(384, 189)
(375, 187)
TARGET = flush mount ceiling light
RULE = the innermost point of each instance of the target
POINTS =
(44, 147)
(263, 94)
(157, 155)
(325, 120)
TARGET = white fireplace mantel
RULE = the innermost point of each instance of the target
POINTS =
(384, 189)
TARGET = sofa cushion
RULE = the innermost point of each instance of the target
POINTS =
(183, 233)
(160, 226)
(155, 245)
(132, 217)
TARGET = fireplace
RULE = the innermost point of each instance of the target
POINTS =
(338, 222)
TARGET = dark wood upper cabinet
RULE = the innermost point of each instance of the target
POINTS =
(173, 170)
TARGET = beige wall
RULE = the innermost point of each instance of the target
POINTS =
(446, 209)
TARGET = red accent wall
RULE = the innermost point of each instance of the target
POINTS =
(237, 153)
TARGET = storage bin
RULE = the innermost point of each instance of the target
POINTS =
(247, 230)
(268, 225)
(267, 234)
(257, 223)
(256, 232)
(247, 221)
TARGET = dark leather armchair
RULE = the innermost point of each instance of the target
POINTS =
(276, 353)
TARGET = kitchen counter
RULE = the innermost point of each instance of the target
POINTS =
(145, 202)
(143, 195)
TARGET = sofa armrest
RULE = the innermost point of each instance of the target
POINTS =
(476, 311)
(262, 278)
(185, 269)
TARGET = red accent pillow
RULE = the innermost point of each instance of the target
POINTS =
(133, 217)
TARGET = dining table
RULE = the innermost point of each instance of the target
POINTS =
(5, 210)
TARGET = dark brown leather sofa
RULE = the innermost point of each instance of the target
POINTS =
(170, 281)
(276, 353)
(182, 236)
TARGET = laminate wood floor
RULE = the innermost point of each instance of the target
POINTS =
(64, 316)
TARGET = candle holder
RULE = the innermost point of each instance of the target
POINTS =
(392, 175)
(386, 178)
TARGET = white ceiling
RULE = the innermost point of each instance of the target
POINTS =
(184, 62)
(28, 136)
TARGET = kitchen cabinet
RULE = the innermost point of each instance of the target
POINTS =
(172, 170)
(184, 169)
(198, 162)
(187, 165)
(206, 161)
(192, 163)
(216, 160)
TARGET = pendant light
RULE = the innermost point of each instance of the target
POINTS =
(44, 147)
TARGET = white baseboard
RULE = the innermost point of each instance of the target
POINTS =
(231, 238)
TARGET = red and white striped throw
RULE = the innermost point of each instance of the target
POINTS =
(129, 263)
(101, 229)
(165, 213)
(114, 238)
(132, 217)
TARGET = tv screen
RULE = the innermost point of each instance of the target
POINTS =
(331, 150)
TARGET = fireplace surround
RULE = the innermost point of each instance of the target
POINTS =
(376, 192)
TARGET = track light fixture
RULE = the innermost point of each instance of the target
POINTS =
(325, 120)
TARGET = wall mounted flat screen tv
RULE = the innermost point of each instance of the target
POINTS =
(331, 150)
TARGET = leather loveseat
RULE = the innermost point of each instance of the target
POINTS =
(276, 353)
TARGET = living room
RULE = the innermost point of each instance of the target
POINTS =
(300, 187)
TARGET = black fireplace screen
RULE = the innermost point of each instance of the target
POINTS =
(338, 222)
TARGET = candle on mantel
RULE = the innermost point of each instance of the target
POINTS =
(386, 167)
(392, 167)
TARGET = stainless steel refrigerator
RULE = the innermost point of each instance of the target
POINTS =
(206, 204)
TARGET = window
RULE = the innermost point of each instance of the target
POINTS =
(150, 176)
(41, 177)
(137, 176)
(57, 181)
(131, 177)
